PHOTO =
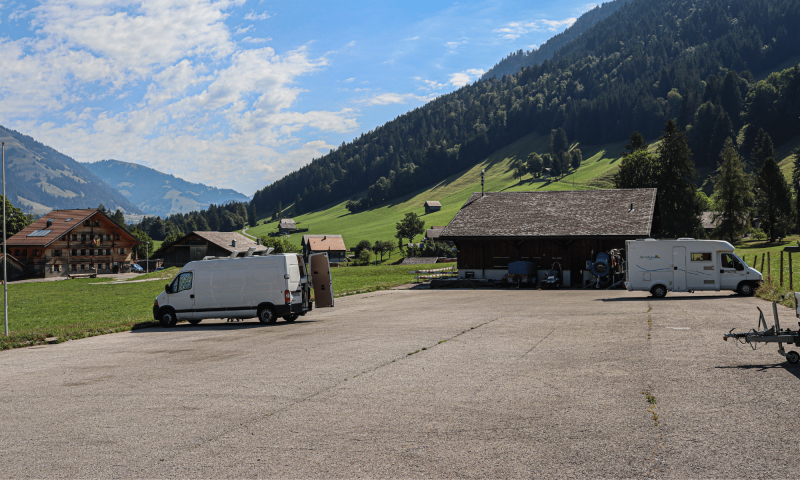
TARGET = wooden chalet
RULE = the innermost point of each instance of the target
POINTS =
(198, 245)
(568, 227)
(432, 206)
(333, 245)
(66, 242)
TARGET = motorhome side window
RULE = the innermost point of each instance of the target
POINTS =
(729, 261)
(701, 257)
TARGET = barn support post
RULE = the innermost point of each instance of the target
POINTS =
(769, 269)
(791, 274)
(762, 264)
(781, 268)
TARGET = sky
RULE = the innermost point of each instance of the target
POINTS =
(237, 94)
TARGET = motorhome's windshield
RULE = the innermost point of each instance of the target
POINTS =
(730, 260)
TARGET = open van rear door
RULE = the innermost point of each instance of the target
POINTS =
(320, 270)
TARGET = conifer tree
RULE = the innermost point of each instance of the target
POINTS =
(636, 142)
(680, 212)
(733, 194)
(796, 188)
(762, 150)
(773, 200)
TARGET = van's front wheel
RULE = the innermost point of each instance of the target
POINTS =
(291, 318)
(168, 319)
(746, 289)
(267, 315)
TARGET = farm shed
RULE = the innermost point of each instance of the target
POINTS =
(197, 245)
(72, 241)
(287, 225)
(15, 270)
(333, 245)
(432, 206)
(568, 227)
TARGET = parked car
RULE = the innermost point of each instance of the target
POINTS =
(135, 268)
(158, 269)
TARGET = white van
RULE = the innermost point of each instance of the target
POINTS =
(266, 287)
(687, 265)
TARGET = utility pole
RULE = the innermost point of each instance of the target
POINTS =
(5, 250)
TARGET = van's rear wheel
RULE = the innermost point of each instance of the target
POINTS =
(267, 315)
(746, 289)
(168, 319)
(291, 318)
(659, 291)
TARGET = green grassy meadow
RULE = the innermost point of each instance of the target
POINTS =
(73, 309)
(600, 162)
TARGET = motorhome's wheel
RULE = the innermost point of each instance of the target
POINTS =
(195, 321)
(267, 315)
(290, 318)
(793, 357)
(659, 291)
(746, 289)
(168, 319)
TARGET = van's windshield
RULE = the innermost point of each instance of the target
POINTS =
(729, 260)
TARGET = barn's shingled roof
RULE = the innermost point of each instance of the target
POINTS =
(224, 241)
(324, 243)
(576, 213)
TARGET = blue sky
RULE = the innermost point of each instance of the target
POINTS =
(235, 93)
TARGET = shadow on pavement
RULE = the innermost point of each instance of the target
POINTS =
(793, 369)
(216, 326)
(665, 299)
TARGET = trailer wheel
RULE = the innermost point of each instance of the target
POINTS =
(195, 321)
(267, 315)
(659, 291)
(291, 318)
(746, 289)
(168, 318)
(793, 357)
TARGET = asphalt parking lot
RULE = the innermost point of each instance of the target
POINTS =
(413, 383)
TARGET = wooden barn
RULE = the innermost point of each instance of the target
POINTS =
(567, 227)
(15, 270)
(197, 245)
(432, 206)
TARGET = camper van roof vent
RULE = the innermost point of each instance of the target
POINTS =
(686, 238)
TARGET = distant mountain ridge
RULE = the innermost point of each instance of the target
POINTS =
(520, 59)
(40, 179)
(157, 193)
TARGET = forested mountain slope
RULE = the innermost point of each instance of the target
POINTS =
(40, 179)
(157, 193)
(650, 61)
(520, 59)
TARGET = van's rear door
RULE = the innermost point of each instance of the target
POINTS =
(320, 269)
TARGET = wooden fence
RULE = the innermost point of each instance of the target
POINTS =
(435, 273)
(782, 264)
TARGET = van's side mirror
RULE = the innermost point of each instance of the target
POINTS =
(166, 288)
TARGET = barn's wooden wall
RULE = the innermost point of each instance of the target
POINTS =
(572, 254)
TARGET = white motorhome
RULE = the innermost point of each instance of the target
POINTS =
(266, 287)
(687, 265)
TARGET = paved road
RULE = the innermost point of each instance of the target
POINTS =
(500, 384)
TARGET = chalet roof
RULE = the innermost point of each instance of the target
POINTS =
(324, 243)
(224, 240)
(434, 232)
(40, 234)
(287, 224)
(432, 203)
(577, 213)
(708, 220)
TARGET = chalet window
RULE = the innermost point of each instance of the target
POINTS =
(83, 251)
(83, 266)
(122, 251)
(72, 267)
(108, 236)
(117, 237)
(87, 224)
(56, 253)
(64, 238)
(24, 252)
(83, 237)
(56, 268)
(36, 253)
(74, 237)
(96, 223)
(91, 252)
(74, 252)
(701, 257)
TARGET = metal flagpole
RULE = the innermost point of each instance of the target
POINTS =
(5, 250)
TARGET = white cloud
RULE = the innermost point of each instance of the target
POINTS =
(351, 44)
(162, 83)
(242, 30)
(462, 78)
(398, 98)
(411, 38)
(349, 80)
(257, 16)
(430, 84)
(514, 30)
